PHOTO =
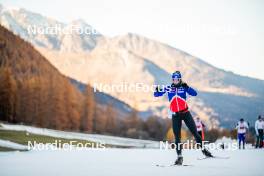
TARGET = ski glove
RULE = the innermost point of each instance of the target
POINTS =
(173, 85)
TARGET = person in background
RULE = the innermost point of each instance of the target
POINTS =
(242, 128)
(200, 127)
(259, 128)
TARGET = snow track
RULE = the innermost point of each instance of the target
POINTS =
(111, 140)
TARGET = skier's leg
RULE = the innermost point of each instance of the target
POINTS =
(257, 142)
(200, 133)
(261, 138)
(239, 140)
(188, 119)
(176, 126)
(243, 140)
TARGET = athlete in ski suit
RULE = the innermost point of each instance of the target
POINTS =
(178, 106)
(200, 127)
(259, 127)
(242, 128)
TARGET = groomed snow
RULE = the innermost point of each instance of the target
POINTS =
(128, 162)
(12, 145)
(119, 162)
(112, 140)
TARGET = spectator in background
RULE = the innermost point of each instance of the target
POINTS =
(259, 128)
(200, 127)
(242, 128)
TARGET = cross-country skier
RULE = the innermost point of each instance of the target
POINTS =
(242, 128)
(200, 127)
(259, 128)
(178, 106)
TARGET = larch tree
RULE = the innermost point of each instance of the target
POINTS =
(87, 118)
(7, 95)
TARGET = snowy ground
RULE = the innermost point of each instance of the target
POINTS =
(112, 140)
(12, 145)
(119, 162)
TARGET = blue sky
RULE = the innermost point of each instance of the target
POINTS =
(228, 34)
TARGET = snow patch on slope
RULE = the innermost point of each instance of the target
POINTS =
(12, 145)
(111, 140)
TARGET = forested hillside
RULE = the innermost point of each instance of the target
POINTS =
(34, 92)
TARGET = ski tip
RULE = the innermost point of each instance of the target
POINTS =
(214, 157)
(173, 165)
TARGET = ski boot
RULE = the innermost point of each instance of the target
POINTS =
(179, 160)
(207, 153)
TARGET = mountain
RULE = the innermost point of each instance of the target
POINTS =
(223, 98)
(104, 99)
(131, 60)
(36, 28)
(34, 92)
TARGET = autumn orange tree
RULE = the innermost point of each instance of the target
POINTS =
(7, 95)
(87, 118)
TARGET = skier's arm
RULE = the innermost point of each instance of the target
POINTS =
(189, 90)
(203, 125)
(247, 126)
(159, 92)
(237, 126)
(256, 128)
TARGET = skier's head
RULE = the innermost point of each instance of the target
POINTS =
(198, 118)
(176, 77)
(241, 120)
(259, 117)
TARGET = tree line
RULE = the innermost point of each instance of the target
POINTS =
(56, 104)
(34, 92)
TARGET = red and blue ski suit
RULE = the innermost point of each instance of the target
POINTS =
(178, 105)
(177, 96)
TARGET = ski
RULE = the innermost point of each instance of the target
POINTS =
(172, 165)
(214, 157)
